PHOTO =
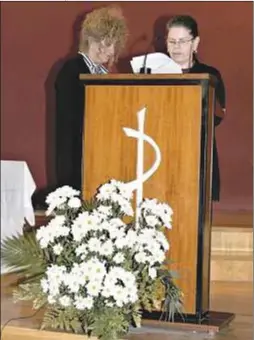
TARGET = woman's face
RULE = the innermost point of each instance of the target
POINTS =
(181, 45)
(101, 52)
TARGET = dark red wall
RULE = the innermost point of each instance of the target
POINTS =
(35, 35)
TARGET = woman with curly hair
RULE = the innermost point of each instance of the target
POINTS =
(102, 38)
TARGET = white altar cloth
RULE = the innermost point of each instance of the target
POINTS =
(17, 188)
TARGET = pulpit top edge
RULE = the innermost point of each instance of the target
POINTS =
(156, 79)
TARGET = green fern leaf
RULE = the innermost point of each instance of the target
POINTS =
(110, 324)
(23, 253)
(50, 318)
(90, 205)
(65, 319)
(30, 292)
(136, 315)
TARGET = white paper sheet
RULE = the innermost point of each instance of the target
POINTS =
(159, 63)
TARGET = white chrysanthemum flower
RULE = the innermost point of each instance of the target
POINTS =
(73, 282)
(125, 191)
(128, 279)
(44, 285)
(106, 191)
(54, 290)
(107, 291)
(122, 242)
(118, 258)
(55, 275)
(109, 304)
(126, 208)
(92, 269)
(116, 234)
(158, 257)
(81, 250)
(78, 232)
(106, 248)
(57, 249)
(94, 245)
(162, 240)
(65, 301)
(82, 303)
(141, 257)
(52, 231)
(58, 198)
(65, 191)
(57, 203)
(105, 210)
(123, 203)
(160, 210)
(43, 237)
(84, 223)
(93, 288)
(151, 220)
(120, 296)
(117, 222)
(51, 300)
(149, 205)
(146, 236)
(120, 285)
(74, 202)
(152, 272)
(154, 247)
(131, 238)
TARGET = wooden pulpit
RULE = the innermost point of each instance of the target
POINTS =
(179, 118)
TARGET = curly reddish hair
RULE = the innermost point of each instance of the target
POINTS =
(105, 24)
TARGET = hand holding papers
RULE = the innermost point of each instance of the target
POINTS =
(159, 63)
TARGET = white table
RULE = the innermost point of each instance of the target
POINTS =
(17, 188)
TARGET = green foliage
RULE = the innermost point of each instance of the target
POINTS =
(136, 315)
(110, 324)
(65, 319)
(23, 253)
(173, 303)
(147, 291)
(105, 323)
(90, 205)
(30, 292)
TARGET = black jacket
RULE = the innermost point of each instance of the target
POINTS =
(220, 95)
(69, 122)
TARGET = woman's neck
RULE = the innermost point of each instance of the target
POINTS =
(187, 65)
(92, 56)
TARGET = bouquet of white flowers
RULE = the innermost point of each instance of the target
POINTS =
(97, 267)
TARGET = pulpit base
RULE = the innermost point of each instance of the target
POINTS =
(211, 322)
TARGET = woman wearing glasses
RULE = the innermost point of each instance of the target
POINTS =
(102, 37)
(182, 45)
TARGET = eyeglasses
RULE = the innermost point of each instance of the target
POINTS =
(180, 42)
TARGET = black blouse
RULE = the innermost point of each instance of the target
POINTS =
(70, 121)
(220, 95)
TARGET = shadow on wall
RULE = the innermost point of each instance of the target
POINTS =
(156, 44)
(49, 87)
(159, 34)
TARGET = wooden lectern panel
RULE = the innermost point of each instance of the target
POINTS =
(206, 246)
(173, 120)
